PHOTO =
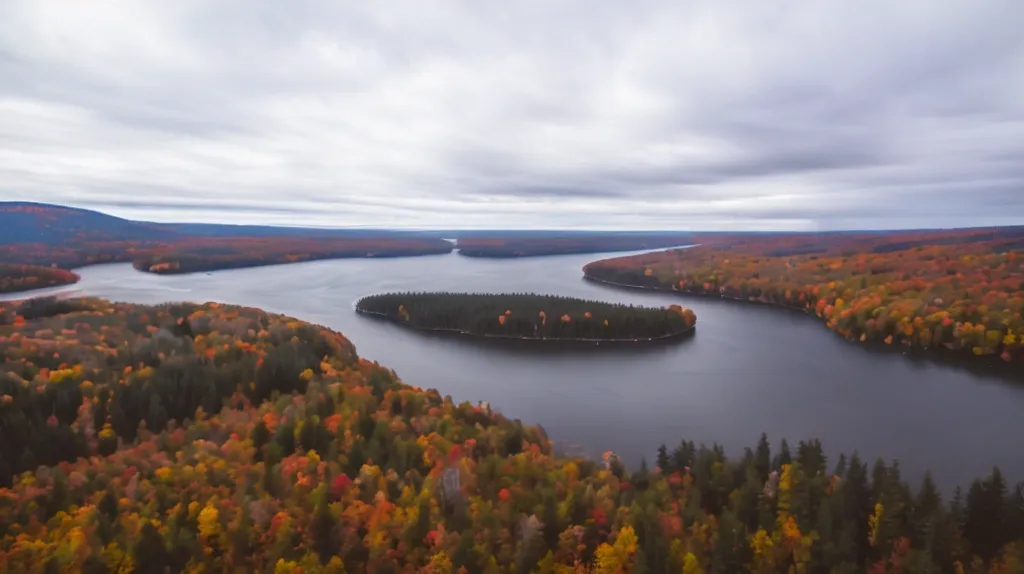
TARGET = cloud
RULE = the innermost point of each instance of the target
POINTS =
(660, 115)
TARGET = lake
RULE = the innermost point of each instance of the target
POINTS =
(748, 369)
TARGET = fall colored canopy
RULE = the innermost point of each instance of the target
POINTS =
(217, 438)
(959, 291)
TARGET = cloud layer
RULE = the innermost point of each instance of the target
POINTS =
(658, 114)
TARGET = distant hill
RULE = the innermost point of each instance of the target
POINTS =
(27, 222)
(68, 237)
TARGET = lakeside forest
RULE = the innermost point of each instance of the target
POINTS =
(553, 244)
(234, 252)
(216, 438)
(528, 316)
(15, 278)
(67, 238)
(962, 291)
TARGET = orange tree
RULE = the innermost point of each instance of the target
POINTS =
(928, 292)
(214, 438)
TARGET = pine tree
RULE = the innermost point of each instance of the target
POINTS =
(663, 460)
(731, 549)
(784, 457)
(149, 553)
(856, 507)
(763, 458)
(927, 503)
(985, 526)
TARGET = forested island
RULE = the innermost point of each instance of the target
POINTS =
(213, 438)
(529, 316)
(14, 278)
(960, 291)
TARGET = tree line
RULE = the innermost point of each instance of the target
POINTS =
(528, 315)
(238, 252)
(555, 243)
(14, 278)
(41, 236)
(965, 296)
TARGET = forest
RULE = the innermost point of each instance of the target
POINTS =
(14, 278)
(235, 252)
(216, 438)
(67, 238)
(962, 291)
(529, 316)
(775, 244)
(195, 254)
(499, 246)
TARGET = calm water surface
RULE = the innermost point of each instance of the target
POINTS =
(748, 369)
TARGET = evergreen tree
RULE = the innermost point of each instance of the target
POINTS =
(323, 527)
(985, 524)
(150, 554)
(926, 505)
(784, 457)
(663, 460)
(763, 458)
(857, 506)
(156, 416)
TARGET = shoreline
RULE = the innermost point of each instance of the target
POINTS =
(32, 293)
(179, 271)
(940, 356)
(625, 252)
(28, 292)
(757, 302)
(671, 337)
(454, 250)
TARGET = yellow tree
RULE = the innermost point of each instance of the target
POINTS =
(691, 565)
(439, 564)
(762, 546)
(617, 558)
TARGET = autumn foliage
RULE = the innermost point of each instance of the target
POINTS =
(961, 291)
(67, 238)
(556, 243)
(215, 438)
(209, 254)
(15, 278)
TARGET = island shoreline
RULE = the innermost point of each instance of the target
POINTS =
(457, 333)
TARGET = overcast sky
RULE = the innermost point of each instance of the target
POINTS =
(662, 114)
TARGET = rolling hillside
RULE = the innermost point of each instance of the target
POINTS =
(25, 222)
(35, 234)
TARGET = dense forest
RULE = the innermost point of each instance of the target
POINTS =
(213, 438)
(529, 316)
(962, 292)
(15, 278)
(236, 252)
(560, 244)
(775, 244)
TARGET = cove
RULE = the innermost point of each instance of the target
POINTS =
(749, 369)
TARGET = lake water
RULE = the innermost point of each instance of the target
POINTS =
(748, 369)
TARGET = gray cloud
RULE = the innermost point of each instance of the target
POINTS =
(685, 115)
